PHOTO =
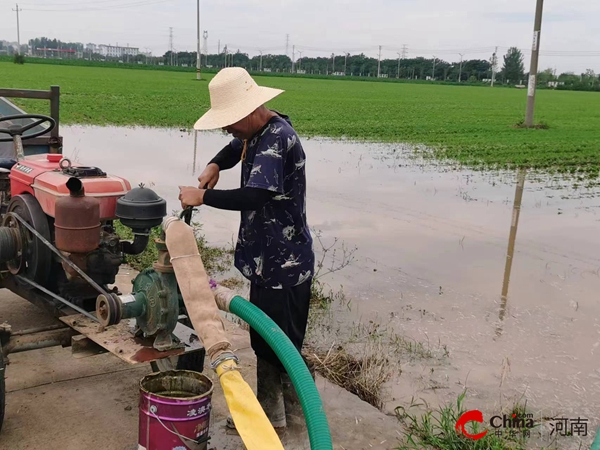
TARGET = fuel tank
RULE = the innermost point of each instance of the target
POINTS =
(45, 177)
(77, 223)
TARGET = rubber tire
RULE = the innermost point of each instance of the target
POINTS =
(2, 388)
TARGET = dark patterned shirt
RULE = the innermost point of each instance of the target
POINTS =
(274, 247)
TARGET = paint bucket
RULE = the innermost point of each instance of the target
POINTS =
(174, 411)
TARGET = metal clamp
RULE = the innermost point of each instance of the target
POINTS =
(222, 358)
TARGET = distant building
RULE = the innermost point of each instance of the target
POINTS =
(116, 51)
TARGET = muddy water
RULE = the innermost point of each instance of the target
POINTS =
(430, 261)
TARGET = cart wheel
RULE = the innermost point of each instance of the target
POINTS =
(2, 387)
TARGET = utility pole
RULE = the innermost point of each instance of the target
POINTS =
(219, 47)
(345, 62)
(533, 67)
(205, 37)
(494, 63)
(433, 71)
(293, 59)
(198, 74)
(18, 29)
(379, 63)
(460, 69)
(171, 43)
(287, 44)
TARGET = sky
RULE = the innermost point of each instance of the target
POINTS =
(570, 37)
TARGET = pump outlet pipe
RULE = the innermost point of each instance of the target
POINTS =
(314, 412)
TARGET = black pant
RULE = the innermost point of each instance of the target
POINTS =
(288, 308)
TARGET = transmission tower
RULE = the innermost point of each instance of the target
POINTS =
(287, 44)
(404, 51)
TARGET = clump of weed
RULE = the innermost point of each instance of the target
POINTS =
(537, 126)
(233, 283)
(362, 375)
(436, 430)
(216, 260)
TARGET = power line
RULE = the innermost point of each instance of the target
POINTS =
(107, 8)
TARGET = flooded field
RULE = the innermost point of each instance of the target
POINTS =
(431, 251)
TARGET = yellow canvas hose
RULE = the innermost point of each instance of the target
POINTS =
(250, 420)
(247, 414)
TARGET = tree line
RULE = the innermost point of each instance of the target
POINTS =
(508, 71)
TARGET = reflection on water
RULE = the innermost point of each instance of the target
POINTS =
(432, 249)
(511, 246)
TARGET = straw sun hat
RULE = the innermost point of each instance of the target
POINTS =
(233, 96)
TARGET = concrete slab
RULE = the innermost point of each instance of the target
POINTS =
(57, 402)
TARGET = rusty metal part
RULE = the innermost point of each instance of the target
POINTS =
(163, 263)
(56, 326)
(16, 264)
(120, 339)
(10, 244)
(61, 256)
(77, 222)
(52, 338)
(109, 310)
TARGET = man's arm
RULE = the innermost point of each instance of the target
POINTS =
(229, 156)
(244, 199)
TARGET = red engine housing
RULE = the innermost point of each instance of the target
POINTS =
(42, 176)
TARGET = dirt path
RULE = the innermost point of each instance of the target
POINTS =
(57, 402)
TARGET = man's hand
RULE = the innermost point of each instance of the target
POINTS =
(209, 177)
(191, 196)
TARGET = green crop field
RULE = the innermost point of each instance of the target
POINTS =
(471, 125)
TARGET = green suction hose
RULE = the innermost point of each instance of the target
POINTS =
(316, 421)
(596, 443)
